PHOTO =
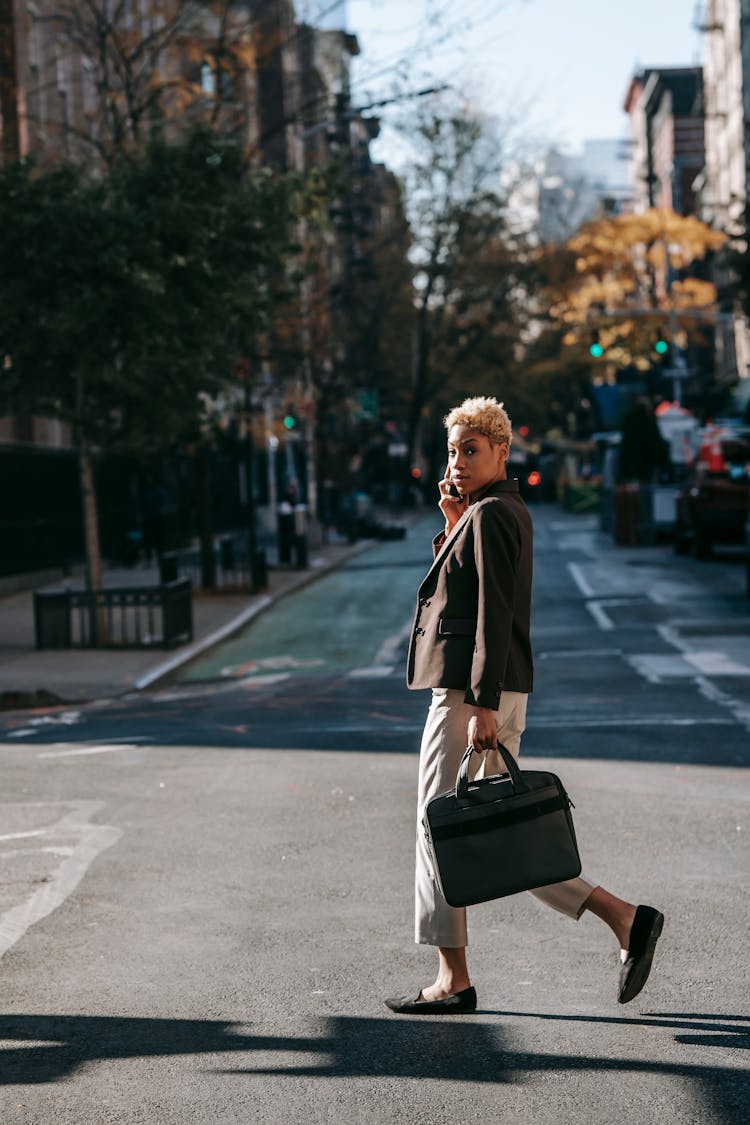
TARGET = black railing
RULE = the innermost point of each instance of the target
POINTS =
(233, 569)
(127, 617)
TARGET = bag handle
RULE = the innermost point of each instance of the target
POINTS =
(462, 778)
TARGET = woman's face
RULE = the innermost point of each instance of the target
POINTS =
(473, 460)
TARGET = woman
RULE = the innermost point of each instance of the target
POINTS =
(470, 645)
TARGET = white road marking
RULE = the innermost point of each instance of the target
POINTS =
(373, 672)
(716, 664)
(580, 580)
(82, 751)
(572, 653)
(737, 707)
(24, 835)
(92, 839)
(601, 618)
(384, 663)
(603, 722)
(635, 721)
(61, 851)
(205, 643)
(657, 667)
(389, 649)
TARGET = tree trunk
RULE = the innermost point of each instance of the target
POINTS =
(97, 613)
(90, 519)
(205, 518)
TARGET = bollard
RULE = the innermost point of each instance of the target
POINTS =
(285, 532)
(259, 570)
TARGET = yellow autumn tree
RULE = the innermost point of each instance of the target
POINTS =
(628, 278)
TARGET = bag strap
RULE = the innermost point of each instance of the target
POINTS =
(462, 778)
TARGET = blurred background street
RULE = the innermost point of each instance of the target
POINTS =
(251, 253)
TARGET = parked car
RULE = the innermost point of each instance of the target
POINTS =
(524, 465)
(712, 505)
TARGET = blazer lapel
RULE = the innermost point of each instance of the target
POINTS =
(495, 490)
(449, 539)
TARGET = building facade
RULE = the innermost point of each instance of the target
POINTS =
(724, 186)
(667, 144)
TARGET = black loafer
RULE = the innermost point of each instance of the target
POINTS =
(464, 1001)
(644, 934)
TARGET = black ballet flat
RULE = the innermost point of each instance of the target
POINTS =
(464, 1001)
(644, 934)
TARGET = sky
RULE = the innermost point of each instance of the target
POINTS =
(561, 66)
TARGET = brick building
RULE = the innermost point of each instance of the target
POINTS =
(665, 107)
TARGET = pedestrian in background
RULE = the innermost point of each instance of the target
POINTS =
(470, 645)
(644, 454)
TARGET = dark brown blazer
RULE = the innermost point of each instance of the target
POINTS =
(471, 627)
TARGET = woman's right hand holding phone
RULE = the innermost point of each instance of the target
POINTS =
(452, 504)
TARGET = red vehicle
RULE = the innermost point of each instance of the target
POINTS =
(712, 506)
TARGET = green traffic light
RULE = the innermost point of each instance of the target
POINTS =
(596, 350)
(661, 347)
(290, 421)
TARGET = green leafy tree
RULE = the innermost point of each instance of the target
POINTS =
(126, 301)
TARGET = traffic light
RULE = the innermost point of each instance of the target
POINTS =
(290, 422)
(596, 350)
(661, 347)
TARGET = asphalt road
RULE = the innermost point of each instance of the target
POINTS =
(207, 889)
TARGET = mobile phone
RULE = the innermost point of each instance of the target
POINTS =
(454, 491)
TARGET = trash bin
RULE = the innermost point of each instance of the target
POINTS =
(300, 536)
(52, 620)
(168, 567)
(286, 531)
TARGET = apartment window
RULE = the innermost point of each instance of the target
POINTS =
(208, 79)
(224, 88)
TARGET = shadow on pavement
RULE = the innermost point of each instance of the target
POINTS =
(721, 1030)
(50, 1048)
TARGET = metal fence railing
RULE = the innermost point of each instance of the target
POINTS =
(126, 617)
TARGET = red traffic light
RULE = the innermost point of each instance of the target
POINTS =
(535, 478)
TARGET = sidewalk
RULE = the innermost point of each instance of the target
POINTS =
(31, 678)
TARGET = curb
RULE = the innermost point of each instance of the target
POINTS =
(165, 669)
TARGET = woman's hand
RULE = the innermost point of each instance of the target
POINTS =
(452, 507)
(482, 731)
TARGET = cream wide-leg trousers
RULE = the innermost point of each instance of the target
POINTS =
(443, 744)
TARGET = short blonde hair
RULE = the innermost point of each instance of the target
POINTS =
(486, 415)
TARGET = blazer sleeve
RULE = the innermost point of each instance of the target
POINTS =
(496, 554)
